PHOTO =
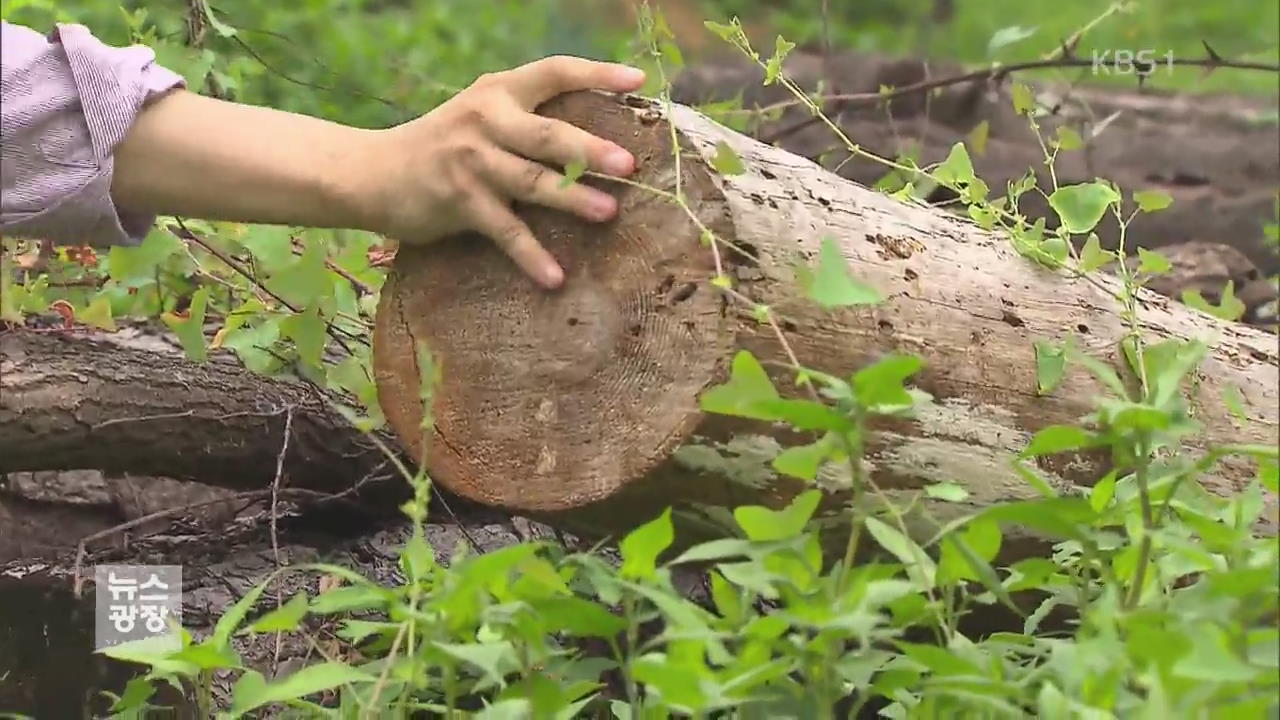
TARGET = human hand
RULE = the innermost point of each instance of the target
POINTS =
(458, 167)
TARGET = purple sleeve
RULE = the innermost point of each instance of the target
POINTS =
(66, 101)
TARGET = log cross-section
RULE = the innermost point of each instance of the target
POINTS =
(585, 400)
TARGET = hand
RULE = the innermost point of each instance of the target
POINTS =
(459, 166)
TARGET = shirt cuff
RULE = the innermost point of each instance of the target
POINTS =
(115, 84)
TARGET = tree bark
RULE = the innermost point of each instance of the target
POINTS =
(583, 404)
(128, 402)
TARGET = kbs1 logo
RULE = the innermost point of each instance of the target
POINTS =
(1130, 62)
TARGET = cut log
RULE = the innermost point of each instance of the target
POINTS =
(583, 404)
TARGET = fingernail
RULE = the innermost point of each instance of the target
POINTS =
(631, 76)
(603, 206)
(618, 162)
(552, 275)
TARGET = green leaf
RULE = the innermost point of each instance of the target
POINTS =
(1008, 36)
(957, 169)
(284, 618)
(978, 137)
(1212, 659)
(307, 331)
(773, 69)
(762, 524)
(573, 171)
(1102, 492)
(831, 285)
(920, 567)
(98, 314)
(803, 461)
(494, 659)
(1024, 101)
(190, 330)
(1051, 364)
(726, 161)
(1068, 138)
(1081, 206)
(1230, 308)
(948, 491)
(641, 547)
(1093, 256)
(232, 618)
(1153, 263)
(579, 617)
(1058, 438)
(347, 598)
(252, 691)
(748, 385)
(136, 266)
(879, 386)
(1061, 516)
(1234, 400)
(305, 282)
(1152, 200)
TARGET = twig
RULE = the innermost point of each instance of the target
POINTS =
(993, 73)
(275, 515)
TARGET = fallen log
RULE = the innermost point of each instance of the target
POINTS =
(128, 402)
(582, 405)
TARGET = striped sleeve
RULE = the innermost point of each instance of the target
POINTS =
(66, 102)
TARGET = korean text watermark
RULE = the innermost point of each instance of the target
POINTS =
(135, 602)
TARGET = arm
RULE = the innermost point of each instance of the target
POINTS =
(455, 168)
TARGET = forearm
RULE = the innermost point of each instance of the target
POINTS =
(196, 156)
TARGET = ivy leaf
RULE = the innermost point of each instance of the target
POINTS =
(725, 32)
(1093, 256)
(573, 171)
(1230, 308)
(832, 285)
(1081, 206)
(305, 282)
(879, 387)
(957, 169)
(762, 524)
(641, 547)
(978, 137)
(1024, 101)
(1068, 138)
(190, 330)
(136, 266)
(803, 461)
(1152, 200)
(98, 314)
(307, 331)
(1051, 364)
(748, 385)
(773, 68)
(1153, 263)
(726, 161)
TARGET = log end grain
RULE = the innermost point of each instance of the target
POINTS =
(553, 400)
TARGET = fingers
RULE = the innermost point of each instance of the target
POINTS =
(541, 80)
(536, 183)
(558, 143)
(493, 218)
